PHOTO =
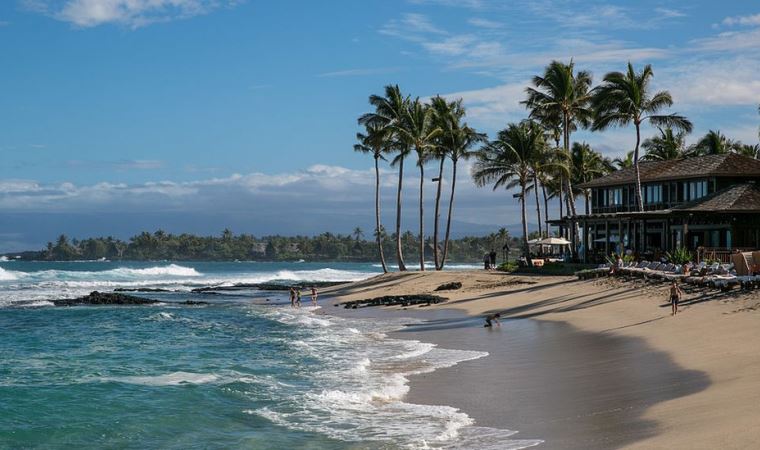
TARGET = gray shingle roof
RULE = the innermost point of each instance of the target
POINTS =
(730, 164)
(738, 198)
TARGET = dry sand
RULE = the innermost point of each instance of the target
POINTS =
(714, 343)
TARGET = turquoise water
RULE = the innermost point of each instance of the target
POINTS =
(245, 371)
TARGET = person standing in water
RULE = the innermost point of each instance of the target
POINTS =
(298, 297)
(314, 296)
(292, 298)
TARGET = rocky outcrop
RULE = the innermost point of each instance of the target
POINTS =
(114, 298)
(453, 286)
(269, 286)
(392, 300)
(105, 298)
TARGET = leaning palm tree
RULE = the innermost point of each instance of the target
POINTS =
(587, 165)
(390, 112)
(562, 94)
(507, 162)
(668, 145)
(462, 140)
(621, 163)
(625, 98)
(447, 116)
(715, 143)
(375, 142)
(418, 130)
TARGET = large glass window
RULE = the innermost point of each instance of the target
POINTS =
(653, 194)
(615, 196)
(693, 190)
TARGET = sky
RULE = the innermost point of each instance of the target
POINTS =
(118, 116)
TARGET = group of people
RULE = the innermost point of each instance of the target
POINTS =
(489, 260)
(295, 297)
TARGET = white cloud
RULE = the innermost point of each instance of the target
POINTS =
(729, 41)
(742, 20)
(131, 13)
(494, 106)
(485, 23)
(723, 82)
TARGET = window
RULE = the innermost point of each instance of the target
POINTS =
(693, 190)
(615, 197)
(653, 194)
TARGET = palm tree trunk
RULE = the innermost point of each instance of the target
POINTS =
(546, 210)
(538, 205)
(639, 200)
(377, 215)
(437, 215)
(585, 195)
(561, 206)
(422, 219)
(524, 217)
(569, 186)
(451, 207)
(399, 254)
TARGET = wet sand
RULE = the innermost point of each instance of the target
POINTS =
(588, 365)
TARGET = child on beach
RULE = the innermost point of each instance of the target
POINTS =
(675, 297)
(314, 296)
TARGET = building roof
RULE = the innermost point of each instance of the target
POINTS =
(737, 198)
(728, 165)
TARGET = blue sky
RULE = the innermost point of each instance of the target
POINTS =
(194, 115)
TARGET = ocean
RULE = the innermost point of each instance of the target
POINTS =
(245, 371)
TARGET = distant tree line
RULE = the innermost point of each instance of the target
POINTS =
(161, 245)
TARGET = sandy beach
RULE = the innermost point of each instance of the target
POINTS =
(588, 364)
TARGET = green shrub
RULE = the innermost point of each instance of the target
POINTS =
(510, 266)
(678, 256)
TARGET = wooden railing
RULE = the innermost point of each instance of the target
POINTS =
(721, 254)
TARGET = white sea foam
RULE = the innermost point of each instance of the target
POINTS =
(169, 379)
(44, 285)
(363, 384)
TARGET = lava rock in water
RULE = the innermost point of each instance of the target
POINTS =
(105, 298)
(269, 286)
(141, 290)
(454, 285)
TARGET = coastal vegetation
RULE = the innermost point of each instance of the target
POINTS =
(535, 156)
(228, 246)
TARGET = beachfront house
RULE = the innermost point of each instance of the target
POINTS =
(707, 204)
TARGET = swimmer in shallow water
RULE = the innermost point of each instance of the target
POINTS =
(491, 319)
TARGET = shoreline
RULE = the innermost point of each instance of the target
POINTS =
(651, 381)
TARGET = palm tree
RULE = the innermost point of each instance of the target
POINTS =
(562, 94)
(587, 165)
(455, 141)
(666, 146)
(376, 142)
(390, 112)
(753, 151)
(623, 163)
(507, 162)
(418, 130)
(715, 143)
(625, 98)
(539, 167)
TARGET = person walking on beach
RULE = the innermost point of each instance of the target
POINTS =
(292, 298)
(314, 296)
(675, 297)
(492, 259)
(486, 261)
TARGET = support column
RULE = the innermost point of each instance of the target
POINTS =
(585, 241)
(621, 241)
(606, 237)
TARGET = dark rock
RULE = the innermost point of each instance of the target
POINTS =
(454, 285)
(141, 290)
(105, 298)
(193, 303)
(392, 300)
(269, 286)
